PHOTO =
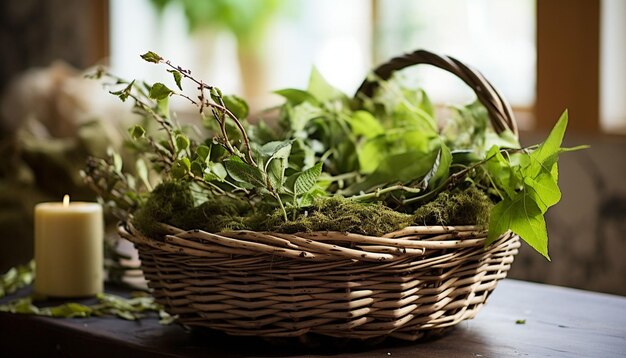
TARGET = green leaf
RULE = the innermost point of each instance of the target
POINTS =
(506, 139)
(547, 154)
(182, 142)
(372, 153)
(181, 168)
(21, 305)
(522, 216)
(197, 168)
(501, 172)
(163, 107)
(203, 152)
(237, 106)
(142, 172)
(151, 57)
(321, 89)
(159, 91)
(365, 124)
(124, 93)
(117, 162)
(70, 310)
(177, 78)
(276, 173)
(137, 132)
(544, 188)
(440, 169)
(405, 116)
(376, 150)
(397, 168)
(296, 96)
(308, 198)
(276, 156)
(300, 115)
(217, 170)
(16, 278)
(216, 94)
(243, 172)
(540, 173)
(307, 179)
(276, 149)
(424, 103)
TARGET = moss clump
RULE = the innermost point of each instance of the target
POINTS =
(468, 207)
(172, 203)
(165, 203)
(215, 216)
(341, 214)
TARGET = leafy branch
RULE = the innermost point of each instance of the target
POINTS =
(217, 105)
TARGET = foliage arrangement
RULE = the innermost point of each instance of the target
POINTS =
(331, 162)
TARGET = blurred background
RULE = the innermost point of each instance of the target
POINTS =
(545, 56)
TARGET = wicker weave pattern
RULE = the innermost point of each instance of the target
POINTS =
(337, 284)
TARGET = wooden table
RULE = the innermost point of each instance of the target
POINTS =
(558, 322)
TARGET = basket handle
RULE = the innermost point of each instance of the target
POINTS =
(498, 108)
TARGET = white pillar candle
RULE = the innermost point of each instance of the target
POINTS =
(68, 249)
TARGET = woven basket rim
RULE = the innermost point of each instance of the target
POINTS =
(411, 241)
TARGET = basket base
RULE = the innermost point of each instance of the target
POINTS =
(312, 342)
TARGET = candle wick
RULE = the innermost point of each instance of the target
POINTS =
(66, 201)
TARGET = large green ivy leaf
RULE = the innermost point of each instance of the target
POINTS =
(522, 216)
(522, 211)
(544, 188)
(546, 155)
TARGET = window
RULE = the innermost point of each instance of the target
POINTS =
(497, 37)
(543, 56)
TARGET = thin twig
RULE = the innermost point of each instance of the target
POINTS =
(220, 106)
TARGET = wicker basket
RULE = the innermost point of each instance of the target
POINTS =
(405, 284)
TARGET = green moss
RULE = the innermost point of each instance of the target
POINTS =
(215, 216)
(172, 203)
(468, 207)
(340, 214)
(166, 202)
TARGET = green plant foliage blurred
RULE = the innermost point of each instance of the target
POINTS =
(246, 20)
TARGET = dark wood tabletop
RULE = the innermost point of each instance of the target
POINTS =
(558, 322)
